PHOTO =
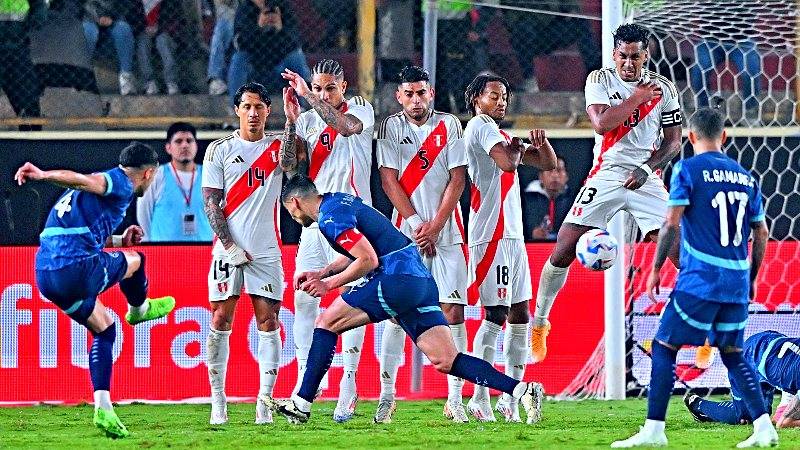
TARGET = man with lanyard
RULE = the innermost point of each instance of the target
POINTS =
(172, 209)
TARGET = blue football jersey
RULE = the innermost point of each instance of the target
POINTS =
(722, 199)
(776, 359)
(344, 219)
(80, 222)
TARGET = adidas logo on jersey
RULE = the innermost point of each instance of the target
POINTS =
(406, 140)
(616, 96)
(238, 160)
(455, 295)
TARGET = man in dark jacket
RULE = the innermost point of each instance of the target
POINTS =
(18, 78)
(267, 41)
(545, 204)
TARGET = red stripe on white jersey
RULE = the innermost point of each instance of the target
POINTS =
(248, 182)
(482, 269)
(353, 178)
(323, 148)
(275, 221)
(612, 137)
(474, 198)
(419, 165)
(460, 225)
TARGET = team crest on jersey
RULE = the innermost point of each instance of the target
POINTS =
(502, 292)
(577, 211)
(222, 287)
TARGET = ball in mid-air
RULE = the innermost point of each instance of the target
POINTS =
(597, 249)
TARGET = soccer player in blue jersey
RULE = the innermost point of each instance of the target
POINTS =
(398, 285)
(713, 203)
(776, 358)
(72, 269)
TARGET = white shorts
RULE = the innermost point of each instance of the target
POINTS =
(315, 252)
(262, 277)
(499, 272)
(599, 200)
(449, 270)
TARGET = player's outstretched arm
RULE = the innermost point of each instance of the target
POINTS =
(366, 260)
(760, 237)
(288, 153)
(666, 236)
(605, 117)
(669, 148)
(94, 183)
(540, 153)
(345, 124)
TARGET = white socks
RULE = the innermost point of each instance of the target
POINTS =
(515, 349)
(762, 424)
(141, 309)
(306, 310)
(454, 384)
(652, 427)
(483, 347)
(352, 341)
(217, 348)
(269, 356)
(551, 281)
(392, 353)
(102, 400)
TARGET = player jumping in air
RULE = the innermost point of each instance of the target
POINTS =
(713, 205)
(336, 136)
(72, 269)
(423, 170)
(629, 107)
(398, 286)
(776, 358)
(498, 265)
(241, 186)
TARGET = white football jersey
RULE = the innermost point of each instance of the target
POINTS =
(340, 163)
(249, 173)
(495, 200)
(423, 156)
(628, 146)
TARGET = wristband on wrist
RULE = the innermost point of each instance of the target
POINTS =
(646, 167)
(414, 222)
(116, 240)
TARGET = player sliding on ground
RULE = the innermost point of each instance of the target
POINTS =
(72, 269)
(398, 286)
(713, 204)
(629, 107)
(776, 358)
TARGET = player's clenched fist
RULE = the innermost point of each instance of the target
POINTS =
(538, 138)
(132, 236)
(28, 172)
(302, 277)
(644, 92)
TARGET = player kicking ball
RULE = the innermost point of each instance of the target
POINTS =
(776, 358)
(72, 269)
(398, 285)
(715, 202)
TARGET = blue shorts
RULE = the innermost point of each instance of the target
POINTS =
(689, 320)
(412, 301)
(74, 288)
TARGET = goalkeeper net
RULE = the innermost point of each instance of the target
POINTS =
(740, 56)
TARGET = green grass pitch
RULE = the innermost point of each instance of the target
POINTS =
(566, 425)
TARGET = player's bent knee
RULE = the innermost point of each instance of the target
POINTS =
(497, 314)
(134, 259)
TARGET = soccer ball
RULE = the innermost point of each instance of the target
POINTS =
(596, 249)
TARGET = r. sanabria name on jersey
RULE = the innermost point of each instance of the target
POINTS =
(728, 176)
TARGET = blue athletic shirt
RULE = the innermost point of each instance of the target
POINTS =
(776, 359)
(344, 219)
(722, 199)
(80, 222)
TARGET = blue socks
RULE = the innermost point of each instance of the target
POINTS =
(662, 380)
(100, 358)
(482, 373)
(320, 357)
(744, 378)
(135, 287)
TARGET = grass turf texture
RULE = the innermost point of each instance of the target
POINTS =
(566, 425)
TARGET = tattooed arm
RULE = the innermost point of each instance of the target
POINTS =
(212, 198)
(288, 153)
(345, 124)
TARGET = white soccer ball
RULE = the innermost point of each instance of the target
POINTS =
(596, 249)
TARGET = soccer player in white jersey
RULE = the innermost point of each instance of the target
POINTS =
(629, 107)
(241, 189)
(336, 136)
(423, 170)
(499, 275)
